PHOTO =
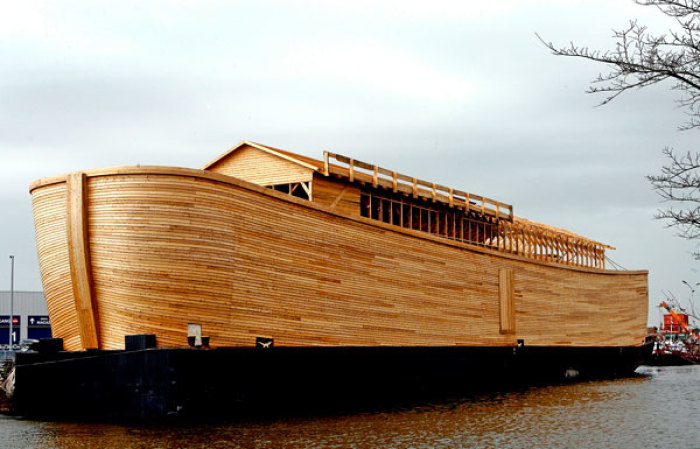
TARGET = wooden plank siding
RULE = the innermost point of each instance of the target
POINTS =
(256, 166)
(176, 246)
(338, 195)
(51, 225)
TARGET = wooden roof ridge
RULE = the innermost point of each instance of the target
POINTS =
(304, 161)
(559, 231)
(318, 164)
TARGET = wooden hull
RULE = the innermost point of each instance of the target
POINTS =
(148, 250)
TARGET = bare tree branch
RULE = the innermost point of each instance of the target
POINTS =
(640, 58)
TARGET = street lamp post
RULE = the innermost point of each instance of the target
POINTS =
(692, 291)
(12, 295)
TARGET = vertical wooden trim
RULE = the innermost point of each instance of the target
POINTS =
(325, 163)
(79, 255)
(507, 303)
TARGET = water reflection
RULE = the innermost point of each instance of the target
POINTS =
(658, 409)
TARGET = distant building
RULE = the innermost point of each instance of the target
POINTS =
(31, 317)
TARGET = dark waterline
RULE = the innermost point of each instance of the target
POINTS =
(659, 409)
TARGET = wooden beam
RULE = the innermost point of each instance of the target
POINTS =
(307, 188)
(79, 256)
(506, 297)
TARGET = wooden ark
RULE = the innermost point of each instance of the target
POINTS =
(332, 252)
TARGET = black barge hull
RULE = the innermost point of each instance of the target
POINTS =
(184, 382)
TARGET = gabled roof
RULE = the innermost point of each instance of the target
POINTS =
(304, 161)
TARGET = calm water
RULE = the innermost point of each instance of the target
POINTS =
(660, 409)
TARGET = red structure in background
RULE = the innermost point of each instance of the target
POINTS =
(676, 343)
(672, 325)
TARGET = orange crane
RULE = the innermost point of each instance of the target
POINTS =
(678, 319)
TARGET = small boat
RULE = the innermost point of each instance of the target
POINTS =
(676, 343)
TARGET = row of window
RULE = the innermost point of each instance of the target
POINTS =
(453, 224)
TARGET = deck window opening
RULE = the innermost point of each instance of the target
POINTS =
(284, 188)
(365, 205)
(296, 189)
(454, 226)
(405, 215)
(476, 234)
(472, 232)
(489, 235)
(451, 222)
(396, 214)
(299, 191)
(386, 211)
(375, 208)
(449, 226)
(424, 220)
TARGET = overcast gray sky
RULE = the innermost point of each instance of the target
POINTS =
(459, 92)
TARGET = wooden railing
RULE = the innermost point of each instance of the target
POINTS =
(540, 243)
(360, 171)
(511, 236)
